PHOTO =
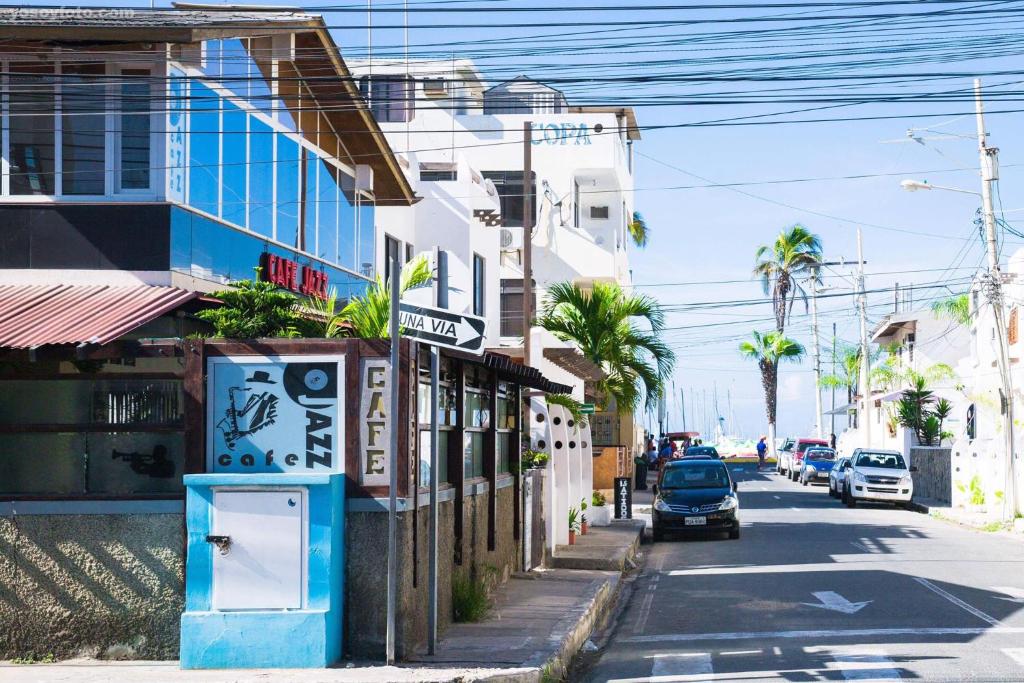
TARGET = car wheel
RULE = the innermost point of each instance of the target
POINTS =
(803, 480)
(848, 498)
(734, 532)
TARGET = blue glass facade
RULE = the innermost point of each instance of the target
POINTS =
(271, 188)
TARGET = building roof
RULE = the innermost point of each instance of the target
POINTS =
(316, 53)
(39, 315)
(574, 362)
(892, 323)
(632, 128)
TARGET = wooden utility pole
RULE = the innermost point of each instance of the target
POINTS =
(527, 238)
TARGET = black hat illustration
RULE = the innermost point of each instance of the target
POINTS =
(261, 377)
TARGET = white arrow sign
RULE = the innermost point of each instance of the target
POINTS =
(439, 327)
(836, 602)
(1016, 593)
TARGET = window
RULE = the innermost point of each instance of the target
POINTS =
(234, 166)
(287, 190)
(389, 97)
(576, 203)
(911, 340)
(509, 185)
(599, 213)
(479, 278)
(261, 177)
(438, 172)
(512, 307)
(391, 247)
(31, 129)
(135, 130)
(203, 153)
(83, 140)
(409, 252)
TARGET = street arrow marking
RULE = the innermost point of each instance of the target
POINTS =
(439, 327)
(836, 602)
(1016, 593)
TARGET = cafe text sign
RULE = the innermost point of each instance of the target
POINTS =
(375, 421)
(289, 274)
(275, 414)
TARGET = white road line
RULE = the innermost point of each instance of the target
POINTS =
(741, 652)
(645, 611)
(777, 497)
(1015, 653)
(957, 601)
(861, 547)
(866, 667)
(819, 634)
(683, 664)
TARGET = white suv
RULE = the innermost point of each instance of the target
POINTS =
(878, 476)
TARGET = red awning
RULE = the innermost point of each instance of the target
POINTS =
(36, 315)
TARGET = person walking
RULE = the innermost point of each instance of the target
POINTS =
(762, 449)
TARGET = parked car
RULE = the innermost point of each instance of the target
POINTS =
(836, 476)
(695, 494)
(817, 465)
(798, 455)
(702, 450)
(785, 456)
(879, 477)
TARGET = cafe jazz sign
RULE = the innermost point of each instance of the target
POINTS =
(289, 274)
(375, 423)
(564, 134)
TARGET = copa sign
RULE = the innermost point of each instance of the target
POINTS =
(564, 134)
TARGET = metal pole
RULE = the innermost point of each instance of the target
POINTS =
(865, 377)
(441, 301)
(396, 277)
(817, 353)
(993, 291)
(682, 402)
(833, 374)
(527, 238)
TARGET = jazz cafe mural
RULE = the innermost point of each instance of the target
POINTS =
(280, 414)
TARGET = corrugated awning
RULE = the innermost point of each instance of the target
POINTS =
(39, 315)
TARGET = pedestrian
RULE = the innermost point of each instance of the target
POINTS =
(666, 451)
(762, 449)
(832, 441)
(651, 453)
(640, 463)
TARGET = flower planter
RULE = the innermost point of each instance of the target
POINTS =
(583, 528)
(572, 537)
(599, 515)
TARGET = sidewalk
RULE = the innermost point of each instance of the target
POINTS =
(538, 622)
(982, 521)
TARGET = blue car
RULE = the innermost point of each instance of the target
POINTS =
(817, 464)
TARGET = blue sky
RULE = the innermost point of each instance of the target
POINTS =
(702, 236)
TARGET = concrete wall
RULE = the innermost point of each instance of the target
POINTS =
(934, 475)
(613, 461)
(366, 587)
(75, 585)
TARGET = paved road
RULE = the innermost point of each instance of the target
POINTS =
(813, 591)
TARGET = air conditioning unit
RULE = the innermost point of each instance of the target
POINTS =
(511, 239)
(435, 87)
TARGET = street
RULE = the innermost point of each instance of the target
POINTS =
(813, 591)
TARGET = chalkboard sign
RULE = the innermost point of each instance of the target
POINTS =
(623, 498)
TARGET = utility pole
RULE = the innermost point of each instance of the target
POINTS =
(682, 403)
(817, 352)
(865, 365)
(833, 414)
(527, 238)
(992, 287)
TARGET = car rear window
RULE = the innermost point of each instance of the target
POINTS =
(694, 476)
(889, 461)
(820, 454)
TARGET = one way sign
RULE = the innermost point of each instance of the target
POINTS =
(439, 327)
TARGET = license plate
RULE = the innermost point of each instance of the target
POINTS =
(822, 475)
(696, 521)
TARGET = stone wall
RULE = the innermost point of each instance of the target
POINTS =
(76, 585)
(933, 478)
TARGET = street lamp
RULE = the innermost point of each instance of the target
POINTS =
(915, 185)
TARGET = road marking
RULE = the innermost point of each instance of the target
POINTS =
(740, 652)
(861, 547)
(645, 611)
(957, 601)
(865, 667)
(1016, 593)
(831, 600)
(783, 569)
(777, 497)
(825, 633)
(685, 664)
(1015, 653)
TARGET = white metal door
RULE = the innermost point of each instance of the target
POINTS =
(263, 566)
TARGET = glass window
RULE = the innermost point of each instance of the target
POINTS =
(390, 98)
(309, 230)
(261, 177)
(479, 275)
(505, 443)
(235, 66)
(327, 213)
(203, 158)
(176, 107)
(287, 190)
(509, 185)
(473, 454)
(235, 166)
(135, 129)
(83, 141)
(367, 237)
(478, 411)
(506, 418)
(42, 463)
(391, 247)
(346, 223)
(512, 307)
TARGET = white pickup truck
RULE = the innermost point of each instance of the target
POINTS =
(878, 477)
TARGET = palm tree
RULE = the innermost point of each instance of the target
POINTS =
(602, 323)
(956, 308)
(367, 316)
(638, 230)
(796, 252)
(769, 349)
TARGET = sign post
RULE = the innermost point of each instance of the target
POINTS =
(623, 498)
(396, 278)
(587, 408)
(441, 301)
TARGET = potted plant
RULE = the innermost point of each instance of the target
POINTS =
(534, 460)
(574, 524)
(583, 517)
(600, 511)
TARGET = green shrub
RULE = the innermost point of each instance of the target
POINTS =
(470, 601)
(598, 499)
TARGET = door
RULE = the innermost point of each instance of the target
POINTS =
(263, 565)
